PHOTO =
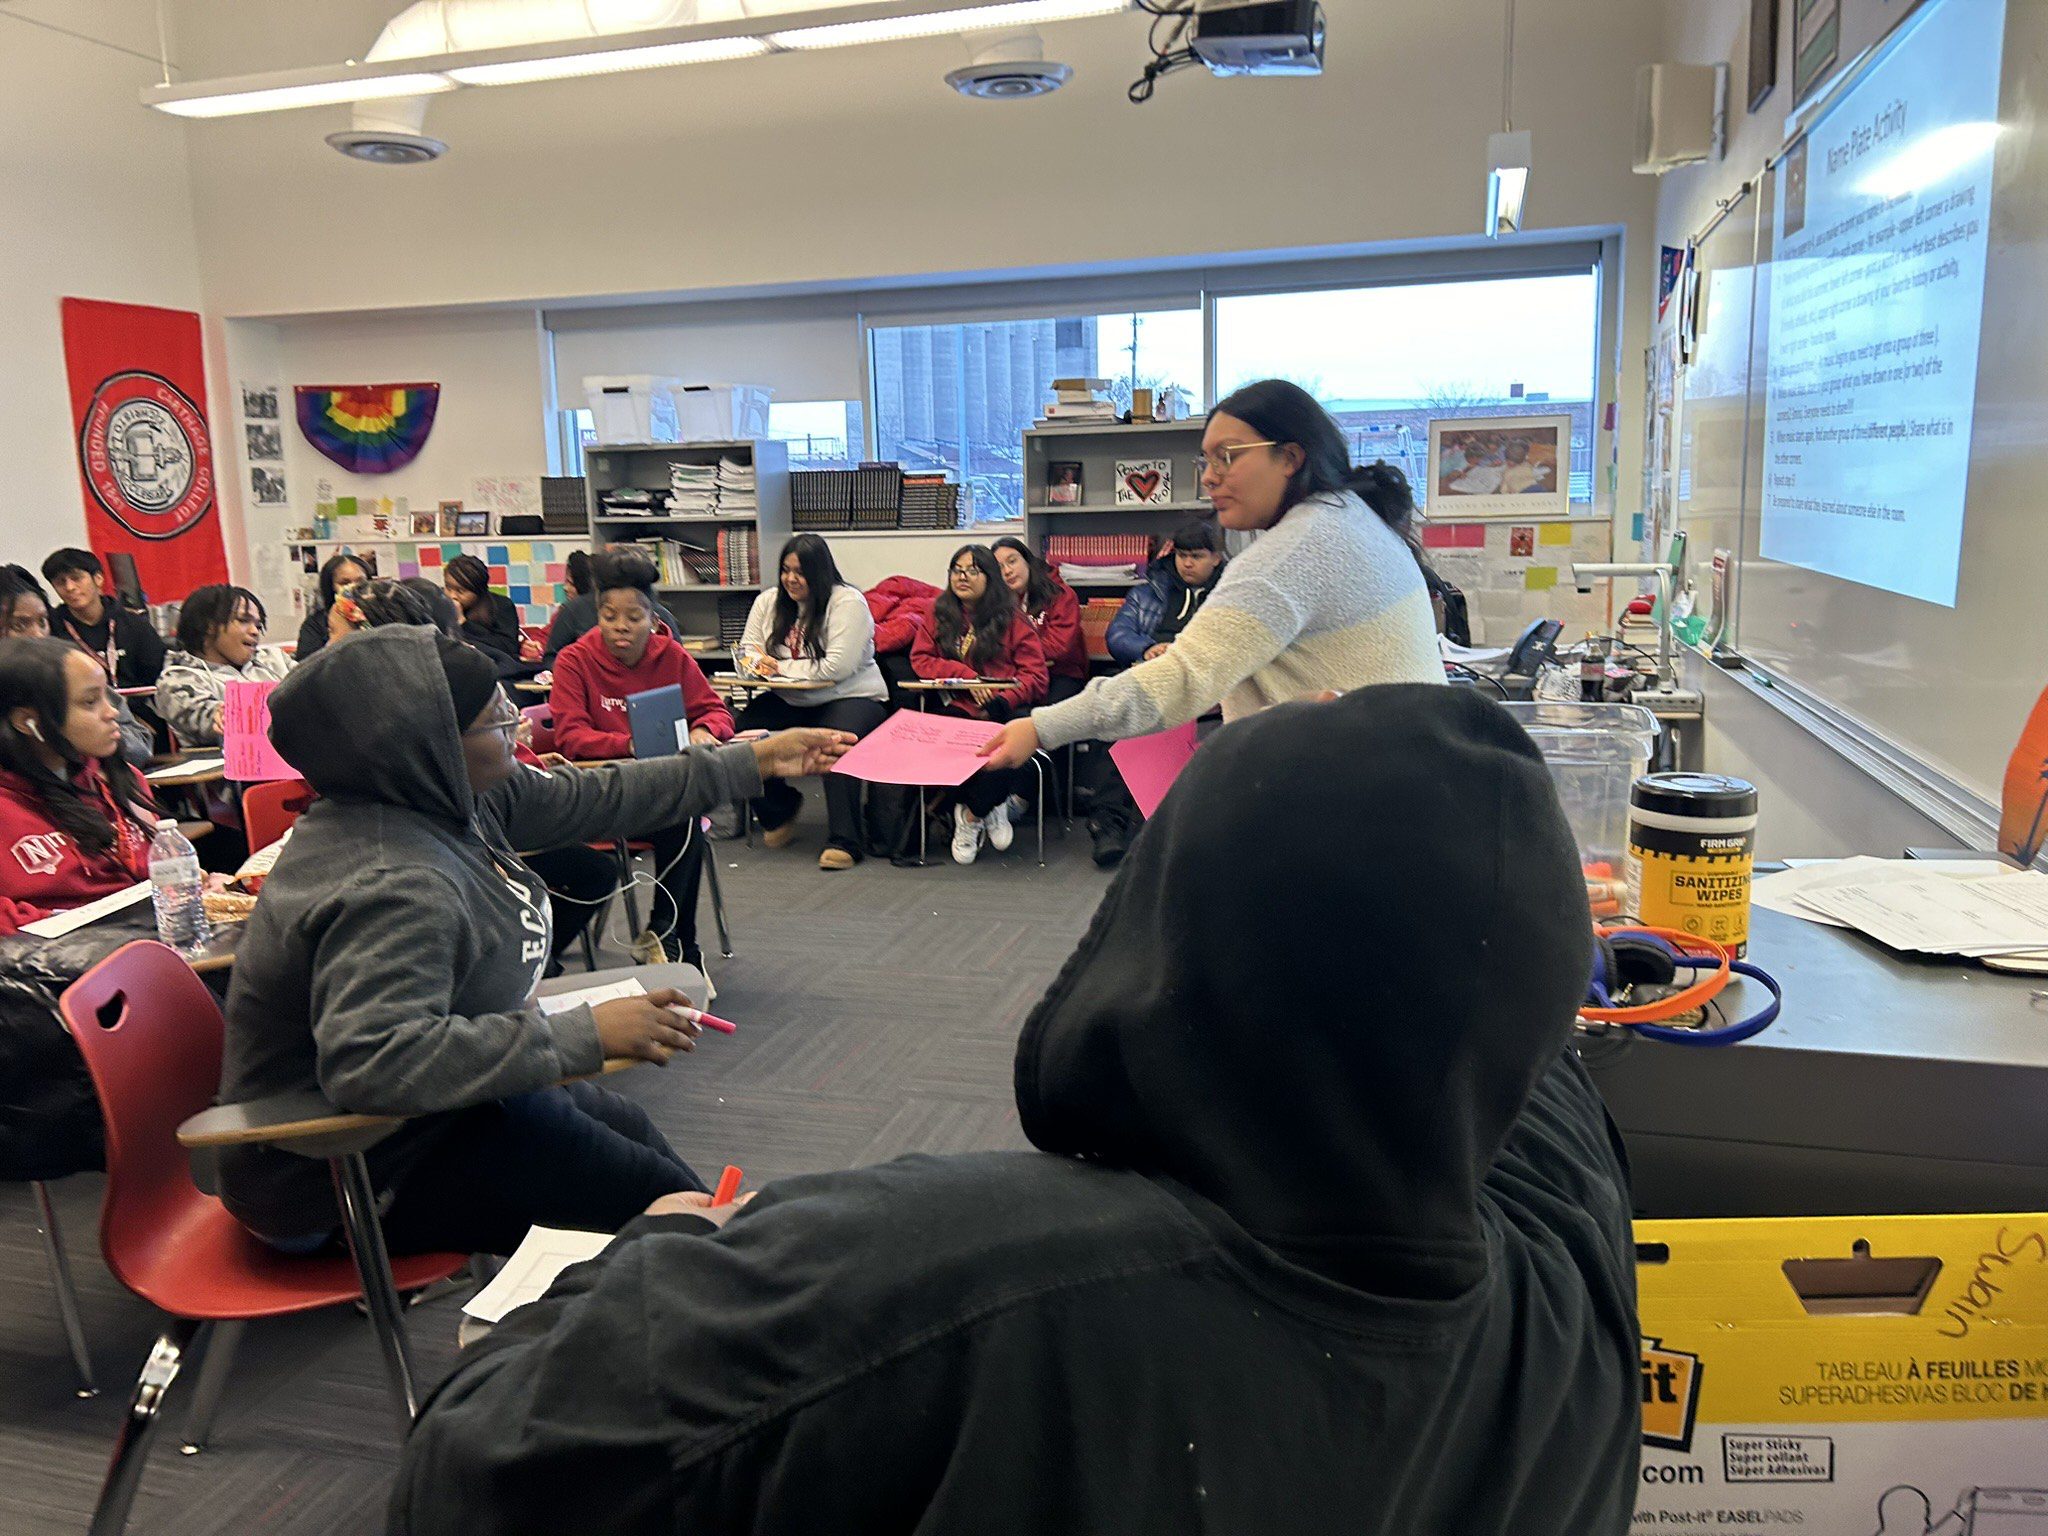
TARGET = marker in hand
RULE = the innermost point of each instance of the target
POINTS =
(728, 1186)
(708, 1020)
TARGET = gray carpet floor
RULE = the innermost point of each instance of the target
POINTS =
(879, 1009)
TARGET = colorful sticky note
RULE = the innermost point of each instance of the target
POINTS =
(1438, 536)
(407, 569)
(557, 570)
(499, 576)
(915, 748)
(430, 556)
(1554, 533)
(519, 594)
(1468, 535)
(494, 554)
(1539, 578)
(1635, 528)
(344, 506)
(522, 551)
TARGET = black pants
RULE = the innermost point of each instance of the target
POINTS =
(992, 786)
(780, 799)
(578, 879)
(575, 1156)
(679, 870)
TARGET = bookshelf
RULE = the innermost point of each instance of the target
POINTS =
(1097, 449)
(700, 607)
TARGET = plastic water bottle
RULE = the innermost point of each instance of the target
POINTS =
(178, 896)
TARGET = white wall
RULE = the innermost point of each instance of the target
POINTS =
(95, 202)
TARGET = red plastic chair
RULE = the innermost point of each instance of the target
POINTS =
(151, 1034)
(543, 718)
(268, 810)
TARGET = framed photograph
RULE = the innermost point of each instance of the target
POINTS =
(259, 402)
(472, 525)
(1816, 44)
(268, 486)
(266, 444)
(1143, 482)
(1500, 466)
(1063, 485)
(1763, 50)
(1521, 543)
(425, 525)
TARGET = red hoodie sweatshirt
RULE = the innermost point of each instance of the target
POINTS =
(1022, 658)
(896, 603)
(42, 871)
(1059, 633)
(591, 688)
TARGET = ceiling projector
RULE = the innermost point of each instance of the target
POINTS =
(1259, 37)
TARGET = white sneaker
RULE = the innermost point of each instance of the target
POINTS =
(998, 823)
(966, 835)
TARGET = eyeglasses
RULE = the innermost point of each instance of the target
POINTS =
(1225, 456)
(504, 725)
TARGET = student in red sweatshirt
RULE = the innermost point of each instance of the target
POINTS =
(975, 629)
(594, 677)
(1053, 610)
(75, 821)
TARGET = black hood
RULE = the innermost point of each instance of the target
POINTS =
(370, 719)
(1325, 980)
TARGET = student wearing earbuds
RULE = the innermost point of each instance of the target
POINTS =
(75, 820)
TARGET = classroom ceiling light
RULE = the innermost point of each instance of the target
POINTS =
(1507, 181)
(615, 61)
(231, 98)
(973, 18)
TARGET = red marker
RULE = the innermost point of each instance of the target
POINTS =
(728, 1185)
(709, 1020)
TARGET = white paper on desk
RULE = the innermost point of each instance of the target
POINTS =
(1787, 890)
(1945, 916)
(541, 1256)
(58, 924)
(1470, 655)
(557, 1002)
(193, 765)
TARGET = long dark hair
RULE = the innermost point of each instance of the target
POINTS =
(577, 575)
(32, 675)
(441, 610)
(15, 584)
(1287, 413)
(207, 612)
(470, 574)
(332, 569)
(992, 615)
(1039, 586)
(814, 559)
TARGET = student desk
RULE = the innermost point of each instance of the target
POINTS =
(528, 685)
(218, 952)
(1889, 1085)
(211, 775)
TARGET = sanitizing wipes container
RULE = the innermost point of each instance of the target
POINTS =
(1691, 842)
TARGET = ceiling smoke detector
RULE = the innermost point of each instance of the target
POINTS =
(387, 146)
(1008, 66)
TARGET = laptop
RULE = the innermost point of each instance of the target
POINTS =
(660, 724)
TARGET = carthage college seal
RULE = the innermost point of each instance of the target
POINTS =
(147, 456)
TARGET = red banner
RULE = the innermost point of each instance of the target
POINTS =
(138, 405)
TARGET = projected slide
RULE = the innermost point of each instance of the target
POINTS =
(1877, 300)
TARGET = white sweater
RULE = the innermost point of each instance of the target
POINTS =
(848, 664)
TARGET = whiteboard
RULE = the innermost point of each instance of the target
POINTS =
(1946, 688)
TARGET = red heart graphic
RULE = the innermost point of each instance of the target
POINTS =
(1143, 482)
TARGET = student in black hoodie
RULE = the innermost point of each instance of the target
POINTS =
(1327, 1231)
(490, 620)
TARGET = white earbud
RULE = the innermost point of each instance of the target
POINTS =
(33, 729)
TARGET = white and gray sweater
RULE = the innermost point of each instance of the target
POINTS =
(848, 665)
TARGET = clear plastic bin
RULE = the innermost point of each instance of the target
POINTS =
(1595, 752)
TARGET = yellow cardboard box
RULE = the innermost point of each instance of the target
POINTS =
(1846, 1376)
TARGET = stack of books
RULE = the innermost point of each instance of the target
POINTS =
(930, 500)
(739, 562)
(680, 564)
(1080, 402)
(632, 501)
(1098, 559)
(820, 500)
(562, 508)
(733, 608)
(693, 490)
(877, 496)
(736, 493)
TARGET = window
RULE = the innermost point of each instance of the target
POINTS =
(579, 434)
(1384, 360)
(821, 434)
(960, 397)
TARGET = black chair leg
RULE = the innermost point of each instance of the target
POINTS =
(67, 1293)
(138, 1428)
(358, 1199)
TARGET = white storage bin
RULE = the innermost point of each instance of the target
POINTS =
(721, 413)
(632, 407)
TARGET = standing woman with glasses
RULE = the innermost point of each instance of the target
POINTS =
(1330, 597)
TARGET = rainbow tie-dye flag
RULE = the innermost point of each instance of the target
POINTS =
(368, 429)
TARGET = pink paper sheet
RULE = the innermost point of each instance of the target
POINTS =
(1150, 764)
(914, 748)
(245, 736)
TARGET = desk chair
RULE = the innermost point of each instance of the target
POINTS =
(150, 1034)
(1039, 763)
(62, 1286)
(268, 810)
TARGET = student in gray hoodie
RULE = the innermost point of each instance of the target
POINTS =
(392, 961)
